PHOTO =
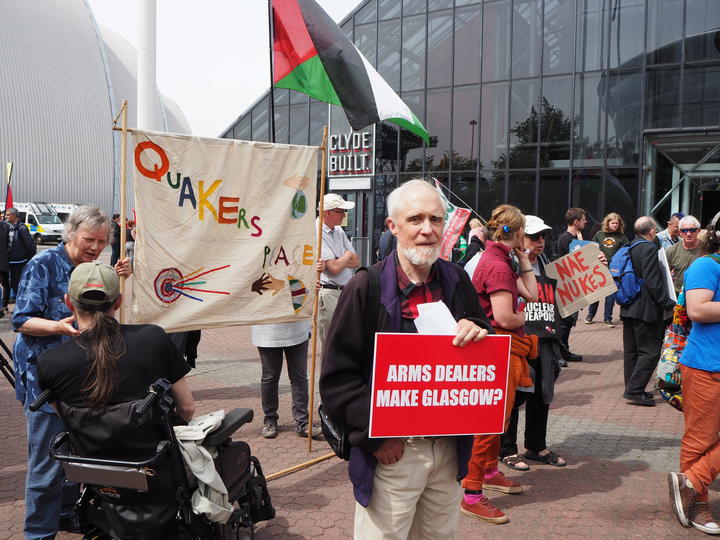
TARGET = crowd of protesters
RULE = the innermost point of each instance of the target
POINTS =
(408, 487)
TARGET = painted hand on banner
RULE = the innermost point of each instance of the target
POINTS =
(468, 331)
(267, 282)
(390, 452)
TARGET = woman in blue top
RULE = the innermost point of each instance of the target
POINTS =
(700, 368)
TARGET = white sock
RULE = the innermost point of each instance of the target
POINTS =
(688, 483)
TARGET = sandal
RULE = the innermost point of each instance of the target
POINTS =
(551, 458)
(515, 463)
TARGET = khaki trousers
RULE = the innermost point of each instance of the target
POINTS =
(326, 307)
(416, 497)
(700, 448)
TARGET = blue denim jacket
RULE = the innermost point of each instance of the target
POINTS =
(41, 293)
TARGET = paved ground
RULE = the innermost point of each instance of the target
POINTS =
(613, 487)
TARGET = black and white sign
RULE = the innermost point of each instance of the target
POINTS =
(351, 154)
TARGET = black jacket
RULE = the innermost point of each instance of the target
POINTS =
(4, 232)
(653, 303)
(23, 247)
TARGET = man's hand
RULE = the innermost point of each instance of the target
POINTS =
(602, 258)
(320, 266)
(468, 331)
(353, 259)
(122, 267)
(390, 452)
(64, 327)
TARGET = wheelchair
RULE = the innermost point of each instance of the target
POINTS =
(149, 496)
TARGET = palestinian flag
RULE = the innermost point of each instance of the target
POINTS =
(312, 55)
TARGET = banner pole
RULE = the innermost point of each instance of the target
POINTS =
(271, 31)
(123, 196)
(316, 305)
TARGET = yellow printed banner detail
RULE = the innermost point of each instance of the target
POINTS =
(225, 231)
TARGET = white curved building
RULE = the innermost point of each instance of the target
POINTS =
(62, 80)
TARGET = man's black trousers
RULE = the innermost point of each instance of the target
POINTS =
(641, 351)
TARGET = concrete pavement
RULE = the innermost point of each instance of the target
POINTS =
(614, 485)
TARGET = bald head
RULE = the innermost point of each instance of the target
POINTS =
(645, 226)
(400, 195)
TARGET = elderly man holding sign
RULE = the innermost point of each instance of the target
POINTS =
(405, 487)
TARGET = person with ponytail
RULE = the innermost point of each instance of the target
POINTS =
(503, 275)
(109, 363)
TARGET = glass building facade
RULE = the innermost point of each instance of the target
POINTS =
(609, 105)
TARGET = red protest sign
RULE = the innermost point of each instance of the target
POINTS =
(425, 386)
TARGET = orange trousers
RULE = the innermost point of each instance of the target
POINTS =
(700, 449)
(486, 448)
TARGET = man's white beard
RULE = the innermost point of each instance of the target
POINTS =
(422, 257)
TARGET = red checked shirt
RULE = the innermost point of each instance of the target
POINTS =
(412, 294)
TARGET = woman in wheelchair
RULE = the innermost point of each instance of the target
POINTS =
(97, 380)
(110, 363)
(109, 386)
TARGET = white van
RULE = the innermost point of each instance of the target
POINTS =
(41, 220)
(64, 210)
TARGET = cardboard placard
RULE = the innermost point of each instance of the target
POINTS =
(581, 279)
(424, 386)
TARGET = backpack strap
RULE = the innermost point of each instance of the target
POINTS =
(372, 310)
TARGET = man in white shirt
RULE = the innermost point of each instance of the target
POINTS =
(338, 255)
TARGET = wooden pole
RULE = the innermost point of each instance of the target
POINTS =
(296, 468)
(123, 196)
(316, 305)
(271, 28)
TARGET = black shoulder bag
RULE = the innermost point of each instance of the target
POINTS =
(338, 439)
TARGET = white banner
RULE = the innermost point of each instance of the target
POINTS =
(225, 231)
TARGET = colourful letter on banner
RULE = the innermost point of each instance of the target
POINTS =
(187, 192)
(203, 195)
(224, 208)
(158, 172)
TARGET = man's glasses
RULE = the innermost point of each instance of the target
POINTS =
(689, 231)
(536, 237)
(339, 211)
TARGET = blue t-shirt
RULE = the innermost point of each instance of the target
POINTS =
(701, 351)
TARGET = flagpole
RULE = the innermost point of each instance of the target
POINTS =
(459, 199)
(123, 195)
(318, 245)
(9, 167)
(271, 28)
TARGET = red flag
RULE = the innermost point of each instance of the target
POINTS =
(8, 193)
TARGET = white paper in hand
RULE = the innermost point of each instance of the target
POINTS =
(435, 319)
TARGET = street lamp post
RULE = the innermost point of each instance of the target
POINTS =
(473, 123)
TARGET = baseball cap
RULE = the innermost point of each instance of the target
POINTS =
(534, 225)
(333, 201)
(94, 284)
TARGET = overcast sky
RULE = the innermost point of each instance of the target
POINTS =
(212, 55)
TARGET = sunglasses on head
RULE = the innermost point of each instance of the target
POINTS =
(538, 236)
(687, 231)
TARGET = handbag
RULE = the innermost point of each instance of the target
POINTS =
(338, 439)
(669, 380)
